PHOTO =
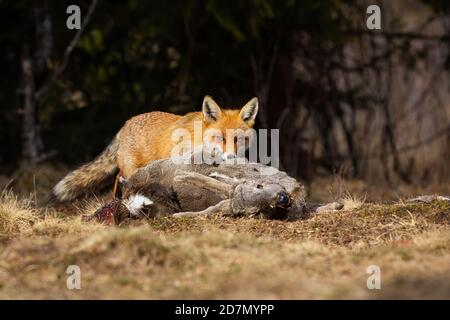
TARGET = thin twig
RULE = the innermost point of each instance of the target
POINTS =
(60, 69)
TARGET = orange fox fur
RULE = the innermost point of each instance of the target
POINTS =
(148, 137)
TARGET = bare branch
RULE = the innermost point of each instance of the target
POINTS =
(60, 69)
(401, 35)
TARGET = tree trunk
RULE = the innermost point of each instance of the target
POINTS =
(34, 71)
(32, 142)
(44, 38)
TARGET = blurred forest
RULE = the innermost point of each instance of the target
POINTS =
(370, 104)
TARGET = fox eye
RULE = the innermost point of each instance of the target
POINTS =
(219, 138)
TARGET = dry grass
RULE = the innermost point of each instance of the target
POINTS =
(352, 202)
(326, 189)
(16, 216)
(322, 257)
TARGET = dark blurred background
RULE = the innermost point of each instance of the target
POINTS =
(369, 104)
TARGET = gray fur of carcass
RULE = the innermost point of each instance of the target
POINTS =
(230, 188)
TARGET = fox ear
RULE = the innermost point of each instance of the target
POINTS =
(249, 111)
(211, 110)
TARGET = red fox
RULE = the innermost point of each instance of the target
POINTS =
(148, 137)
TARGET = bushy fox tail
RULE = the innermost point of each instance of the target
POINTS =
(89, 176)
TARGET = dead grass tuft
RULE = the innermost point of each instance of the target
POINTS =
(16, 216)
(53, 225)
(130, 244)
(352, 202)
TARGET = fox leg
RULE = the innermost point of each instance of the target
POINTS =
(329, 207)
(116, 182)
(222, 208)
(116, 188)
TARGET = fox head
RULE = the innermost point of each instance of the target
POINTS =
(229, 129)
